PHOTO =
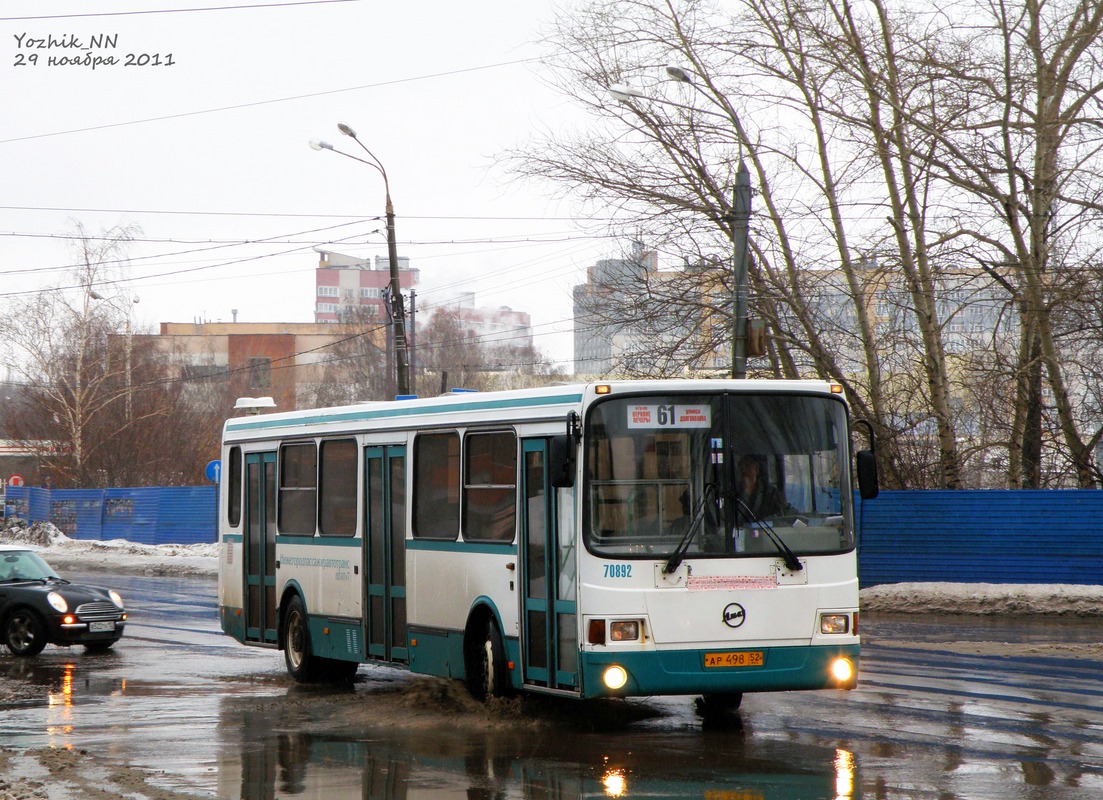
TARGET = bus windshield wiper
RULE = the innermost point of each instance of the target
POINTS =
(679, 553)
(791, 561)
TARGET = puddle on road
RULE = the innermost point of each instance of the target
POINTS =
(43, 682)
(428, 738)
(393, 735)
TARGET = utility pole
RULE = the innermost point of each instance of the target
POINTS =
(398, 304)
(412, 341)
(740, 219)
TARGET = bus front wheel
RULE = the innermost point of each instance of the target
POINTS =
(487, 674)
(302, 664)
(718, 705)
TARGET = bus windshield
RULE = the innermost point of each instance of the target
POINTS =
(713, 472)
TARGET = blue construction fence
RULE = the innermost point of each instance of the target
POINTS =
(983, 536)
(149, 515)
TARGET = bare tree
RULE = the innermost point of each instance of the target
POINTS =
(100, 406)
(60, 344)
(901, 159)
(357, 366)
(451, 355)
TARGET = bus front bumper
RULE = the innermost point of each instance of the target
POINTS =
(767, 669)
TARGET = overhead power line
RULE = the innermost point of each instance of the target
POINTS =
(172, 10)
(183, 114)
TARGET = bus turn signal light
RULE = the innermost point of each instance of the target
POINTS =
(596, 633)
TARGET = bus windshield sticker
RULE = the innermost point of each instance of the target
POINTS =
(669, 416)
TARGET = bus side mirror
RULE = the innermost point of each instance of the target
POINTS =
(561, 460)
(867, 474)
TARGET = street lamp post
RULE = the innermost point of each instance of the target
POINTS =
(739, 217)
(129, 350)
(741, 222)
(398, 307)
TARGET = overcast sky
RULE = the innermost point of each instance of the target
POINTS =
(202, 142)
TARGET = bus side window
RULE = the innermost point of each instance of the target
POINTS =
(490, 486)
(436, 513)
(337, 488)
(298, 489)
(233, 488)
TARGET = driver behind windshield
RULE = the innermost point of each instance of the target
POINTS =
(755, 490)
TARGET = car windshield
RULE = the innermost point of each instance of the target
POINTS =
(23, 565)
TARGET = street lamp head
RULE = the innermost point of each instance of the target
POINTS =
(623, 93)
(318, 144)
(345, 129)
(679, 74)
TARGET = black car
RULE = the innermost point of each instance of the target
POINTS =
(39, 608)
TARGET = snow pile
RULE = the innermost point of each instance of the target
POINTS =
(119, 555)
(984, 598)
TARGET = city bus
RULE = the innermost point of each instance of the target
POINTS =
(589, 540)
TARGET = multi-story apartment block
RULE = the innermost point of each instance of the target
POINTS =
(493, 326)
(631, 317)
(349, 289)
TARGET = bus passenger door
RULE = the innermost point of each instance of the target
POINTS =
(260, 548)
(385, 553)
(549, 627)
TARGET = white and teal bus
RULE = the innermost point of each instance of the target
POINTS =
(597, 540)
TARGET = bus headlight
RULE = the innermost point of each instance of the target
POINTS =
(615, 677)
(834, 623)
(842, 670)
(624, 631)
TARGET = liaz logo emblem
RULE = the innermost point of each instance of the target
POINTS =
(734, 615)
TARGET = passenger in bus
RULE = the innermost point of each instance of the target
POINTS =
(760, 496)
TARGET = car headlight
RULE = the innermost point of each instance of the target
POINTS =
(116, 598)
(57, 602)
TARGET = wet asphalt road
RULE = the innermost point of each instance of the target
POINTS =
(948, 708)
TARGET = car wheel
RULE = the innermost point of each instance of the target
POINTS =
(302, 664)
(487, 676)
(25, 633)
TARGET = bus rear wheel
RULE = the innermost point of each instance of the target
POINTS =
(302, 664)
(487, 674)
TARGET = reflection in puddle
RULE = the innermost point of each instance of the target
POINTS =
(844, 774)
(353, 745)
(614, 782)
(59, 719)
(59, 679)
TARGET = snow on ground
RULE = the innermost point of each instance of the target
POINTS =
(119, 555)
